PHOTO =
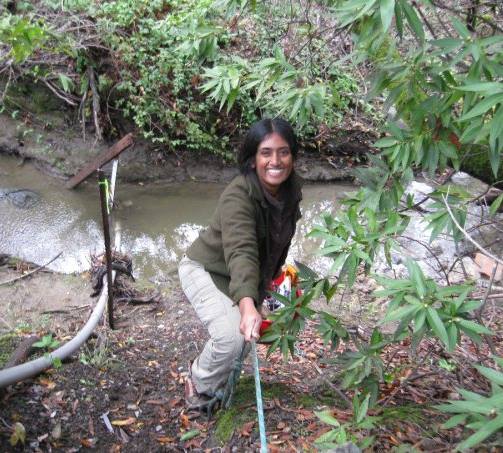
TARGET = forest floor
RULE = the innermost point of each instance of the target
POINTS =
(131, 380)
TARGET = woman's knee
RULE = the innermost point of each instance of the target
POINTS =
(229, 345)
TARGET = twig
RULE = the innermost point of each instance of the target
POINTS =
(58, 94)
(7, 324)
(82, 111)
(440, 267)
(333, 387)
(473, 241)
(96, 102)
(426, 21)
(478, 313)
(31, 272)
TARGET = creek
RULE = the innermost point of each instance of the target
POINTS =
(158, 221)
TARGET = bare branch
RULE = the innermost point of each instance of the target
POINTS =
(473, 241)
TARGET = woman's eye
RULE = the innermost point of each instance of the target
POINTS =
(285, 152)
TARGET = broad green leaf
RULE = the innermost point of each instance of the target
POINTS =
(401, 313)
(447, 44)
(495, 159)
(417, 276)
(474, 327)
(452, 332)
(483, 106)
(460, 28)
(362, 410)
(492, 375)
(66, 82)
(190, 435)
(386, 142)
(399, 19)
(493, 87)
(387, 8)
(305, 272)
(437, 325)
(483, 433)
(496, 204)
(419, 320)
(328, 418)
(455, 420)
(413, 20)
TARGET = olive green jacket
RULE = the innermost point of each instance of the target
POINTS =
(233, 249)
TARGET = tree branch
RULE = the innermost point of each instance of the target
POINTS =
(473, 241)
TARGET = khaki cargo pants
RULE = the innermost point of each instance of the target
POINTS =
(221, 317)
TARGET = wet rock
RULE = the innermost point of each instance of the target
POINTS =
(21, 198)
(442, 255)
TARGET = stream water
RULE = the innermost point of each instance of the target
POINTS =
(158, 222)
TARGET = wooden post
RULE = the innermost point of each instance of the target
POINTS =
(103, 184)
(101, 160)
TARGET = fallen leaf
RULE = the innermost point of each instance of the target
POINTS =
(189, 435)
(165, 440)
(56, 431)
(281, 425)
(88, 443)
(42, 437)
(126, 422)
(185, 420)
(18, 435)
(47, 383)
(156, 402)
(175, 401)
(123, 436)
(247, 428)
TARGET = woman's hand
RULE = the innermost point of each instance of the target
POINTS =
(250, 319)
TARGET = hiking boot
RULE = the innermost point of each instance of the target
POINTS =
(193, 399)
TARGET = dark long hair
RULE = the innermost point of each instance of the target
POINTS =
(257, 133)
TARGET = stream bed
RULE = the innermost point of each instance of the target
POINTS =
(157, 221)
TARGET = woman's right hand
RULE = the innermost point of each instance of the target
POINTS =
(250, 319)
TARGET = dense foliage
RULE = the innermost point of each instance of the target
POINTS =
(192, 74)
(439, 70)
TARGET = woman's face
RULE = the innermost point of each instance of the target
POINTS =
(273, 162)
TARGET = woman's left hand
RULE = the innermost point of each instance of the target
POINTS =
(250, 319)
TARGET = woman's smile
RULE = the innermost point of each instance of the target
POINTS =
(273, 162)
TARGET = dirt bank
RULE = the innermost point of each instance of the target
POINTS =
(60, 150)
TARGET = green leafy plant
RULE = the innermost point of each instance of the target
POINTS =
(22, 36)
(340, 434)
(47, 342)
(479, 413)
(18, 434)
(445, 312)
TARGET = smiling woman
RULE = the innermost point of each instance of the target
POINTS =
(228, 269)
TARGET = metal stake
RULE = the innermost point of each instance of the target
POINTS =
(103, 185)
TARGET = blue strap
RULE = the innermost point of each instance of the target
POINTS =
(258, 393)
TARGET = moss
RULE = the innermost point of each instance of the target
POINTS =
(243, 407)
(32, 97)
(326, 397)
(307, 401)
(8, 344)
(410, 412)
